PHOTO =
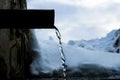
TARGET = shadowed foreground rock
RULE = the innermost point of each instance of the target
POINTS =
(82, 72)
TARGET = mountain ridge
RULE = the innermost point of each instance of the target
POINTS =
(109, 43)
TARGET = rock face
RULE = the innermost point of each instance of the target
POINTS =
(117, 42)
(14, 46)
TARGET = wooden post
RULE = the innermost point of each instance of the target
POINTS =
(13, 4)
(14, 44)
(15, 48)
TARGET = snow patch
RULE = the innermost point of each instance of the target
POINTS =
(75, 56)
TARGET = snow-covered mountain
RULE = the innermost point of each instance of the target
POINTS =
(82, 57)
(104, 44)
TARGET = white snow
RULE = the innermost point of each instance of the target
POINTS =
(50, 60)
(104, 44)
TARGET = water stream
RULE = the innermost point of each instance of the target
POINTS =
(62, 55)
(63, 59)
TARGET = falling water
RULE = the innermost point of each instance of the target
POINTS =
(63, 59)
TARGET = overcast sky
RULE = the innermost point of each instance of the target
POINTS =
(80, 19)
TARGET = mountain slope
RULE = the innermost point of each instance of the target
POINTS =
(80, 59)
(75, 56)
(104, 44)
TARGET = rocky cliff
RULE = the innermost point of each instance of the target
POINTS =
(117, 42)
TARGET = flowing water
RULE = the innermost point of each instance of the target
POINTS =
(63, 59)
